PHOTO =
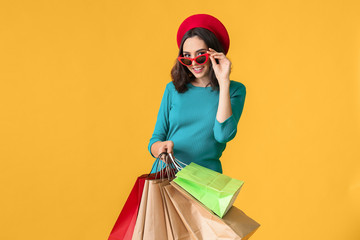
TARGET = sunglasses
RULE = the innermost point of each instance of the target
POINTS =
(201, 59)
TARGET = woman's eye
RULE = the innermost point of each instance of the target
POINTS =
(188, 55)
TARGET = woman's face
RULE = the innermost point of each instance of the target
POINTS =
(192, 48)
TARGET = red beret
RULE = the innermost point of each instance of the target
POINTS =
(205, 21)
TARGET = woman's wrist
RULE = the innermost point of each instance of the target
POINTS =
(224, 84)
(224, 87)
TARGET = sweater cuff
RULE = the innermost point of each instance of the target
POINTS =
(225, 131)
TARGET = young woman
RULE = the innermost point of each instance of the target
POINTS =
(201, 106)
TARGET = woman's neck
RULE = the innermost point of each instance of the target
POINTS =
(200, 82)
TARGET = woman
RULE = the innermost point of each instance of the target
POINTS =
(201, 106)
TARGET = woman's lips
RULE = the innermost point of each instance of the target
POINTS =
(198, 70)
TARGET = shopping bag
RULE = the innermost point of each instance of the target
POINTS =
(166, 213)
(215, 190)
(175, 226)
(140, 220)
(155, 225)
(203, 224)
(153, 221)
(125, 223)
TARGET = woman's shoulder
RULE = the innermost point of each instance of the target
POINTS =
(237, 87)
(170, 87)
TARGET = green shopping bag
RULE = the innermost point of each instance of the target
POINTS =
(215, 190)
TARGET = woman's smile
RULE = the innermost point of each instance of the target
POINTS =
(198, 69)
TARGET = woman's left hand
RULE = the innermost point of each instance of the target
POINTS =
(222, 69)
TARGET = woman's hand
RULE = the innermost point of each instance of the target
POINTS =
(221, 69)
(159, 147)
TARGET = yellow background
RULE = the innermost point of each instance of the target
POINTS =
(81, 84)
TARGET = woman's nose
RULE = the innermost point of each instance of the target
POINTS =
(194, 62)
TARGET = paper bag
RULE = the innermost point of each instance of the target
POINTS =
(166, 212)
(177, 228)
(125, 223)
(203, 224)
(140, 220)
(215, 190)
(151, 224)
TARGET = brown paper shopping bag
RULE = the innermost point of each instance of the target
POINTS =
(153, 221)
(140, 220)
(155, 225)
(150, 223)
(166, 212)
(175, 226)
(203, 224)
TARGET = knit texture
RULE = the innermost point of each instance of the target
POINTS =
(189, 120)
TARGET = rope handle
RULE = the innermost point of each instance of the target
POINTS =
(172, 166)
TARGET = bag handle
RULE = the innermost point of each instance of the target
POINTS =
(172, 166)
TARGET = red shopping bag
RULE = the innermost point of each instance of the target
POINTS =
(124, 225)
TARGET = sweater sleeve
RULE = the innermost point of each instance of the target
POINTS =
(226, 131)
(162, 123)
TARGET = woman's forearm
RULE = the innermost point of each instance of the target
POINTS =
(154, 148)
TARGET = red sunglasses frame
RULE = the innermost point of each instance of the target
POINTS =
(194, 59)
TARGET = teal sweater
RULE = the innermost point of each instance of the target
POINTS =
(189, 120)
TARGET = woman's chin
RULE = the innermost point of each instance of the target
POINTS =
(199, 75)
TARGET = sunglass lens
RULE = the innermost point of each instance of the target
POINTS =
(201, 59)
(185, 61)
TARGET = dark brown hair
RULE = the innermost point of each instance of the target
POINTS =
(180, 74)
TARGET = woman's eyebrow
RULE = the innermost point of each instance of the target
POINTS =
(197, 50)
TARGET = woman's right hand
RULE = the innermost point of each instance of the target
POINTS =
(159, 147)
